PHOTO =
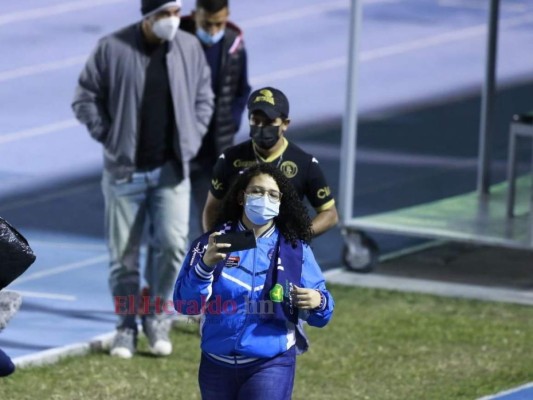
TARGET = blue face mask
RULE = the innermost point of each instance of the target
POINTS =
(260, 210)
(208, 39)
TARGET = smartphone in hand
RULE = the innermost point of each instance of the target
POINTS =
(239, 240)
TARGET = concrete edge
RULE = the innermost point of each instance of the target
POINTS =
(97, 343)
(55, 354)
(430, 287)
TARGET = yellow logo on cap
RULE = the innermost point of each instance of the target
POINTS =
(266, 96)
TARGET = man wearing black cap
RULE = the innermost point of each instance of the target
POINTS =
(268, 110)
(145, 94)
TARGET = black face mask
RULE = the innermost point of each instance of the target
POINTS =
(265, 136)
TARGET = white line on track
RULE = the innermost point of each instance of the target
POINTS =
(332, 152)
(80, 5)
(47, 296)
(38, 131)
(47, 197)
(41, 68)
(366, 56)
(48, 11)
(70, 245)
(63, 268)
(481, 5)
(290, 15)
(370, 55)
(388, 51)
(393, 50)
(303, 12)
(80, 59)
(298, 71)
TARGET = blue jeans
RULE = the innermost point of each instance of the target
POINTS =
(160, 198)
(271, 379)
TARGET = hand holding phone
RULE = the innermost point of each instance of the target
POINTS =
(239, 240)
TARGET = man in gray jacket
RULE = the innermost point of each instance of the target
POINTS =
(145, 94)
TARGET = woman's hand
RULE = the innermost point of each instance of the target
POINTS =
(213, 255)
(306, 299)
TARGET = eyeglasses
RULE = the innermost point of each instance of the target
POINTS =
(258, 191)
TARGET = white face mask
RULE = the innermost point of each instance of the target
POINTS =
(260, 210)
(166, 28)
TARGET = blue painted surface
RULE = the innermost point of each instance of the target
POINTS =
(522, 393)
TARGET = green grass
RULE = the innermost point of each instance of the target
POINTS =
(380, 345)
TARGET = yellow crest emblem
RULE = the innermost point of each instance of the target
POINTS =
(289, 169)
(266, 96)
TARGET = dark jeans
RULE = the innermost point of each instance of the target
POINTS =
(6, 365)
(272, 379)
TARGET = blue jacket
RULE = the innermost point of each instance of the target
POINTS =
(231, 322)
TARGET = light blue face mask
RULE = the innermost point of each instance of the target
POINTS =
(260, 210)
(208, 39)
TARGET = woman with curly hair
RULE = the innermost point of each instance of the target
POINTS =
(252, 301)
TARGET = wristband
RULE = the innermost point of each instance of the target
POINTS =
(322, 305)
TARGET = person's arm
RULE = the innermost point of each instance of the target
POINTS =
(242, 94)
(210, 213)
(313, 296)
(89, 104)
(319, 195)
(205, 98)
(217, 190)
(324, 220)
(193, 286)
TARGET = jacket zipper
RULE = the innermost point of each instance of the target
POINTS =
(237, 342)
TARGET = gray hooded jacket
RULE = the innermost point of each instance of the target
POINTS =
(110, 89)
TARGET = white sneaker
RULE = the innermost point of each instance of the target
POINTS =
(9, 305)
(124, 343)
(161, 348)
(121, 352)
(157, 331)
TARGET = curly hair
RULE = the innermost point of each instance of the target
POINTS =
(293, 220)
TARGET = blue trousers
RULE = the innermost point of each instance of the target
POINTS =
(271, 379)
(6, 365)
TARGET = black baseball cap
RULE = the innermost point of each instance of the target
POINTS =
(269, 100)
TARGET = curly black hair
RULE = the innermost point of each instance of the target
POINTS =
(293, 220)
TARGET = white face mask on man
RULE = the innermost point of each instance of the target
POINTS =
(166, 28)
